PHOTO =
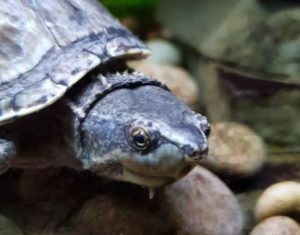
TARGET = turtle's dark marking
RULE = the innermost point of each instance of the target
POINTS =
(75, 70)
(77, 14)
(8, 36)
(120, 32)
(27, 99)
(17, 107)
(62, 82)
(98, 51)
(23, 78)
(68, 30)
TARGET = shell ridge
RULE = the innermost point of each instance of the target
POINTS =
(37, 10)
(103, 85)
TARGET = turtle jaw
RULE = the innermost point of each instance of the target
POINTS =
(111, 166)
(145, 180)
(161, 167)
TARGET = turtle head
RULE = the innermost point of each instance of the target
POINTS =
(143, 135)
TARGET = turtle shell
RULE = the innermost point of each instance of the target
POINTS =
(47, 46)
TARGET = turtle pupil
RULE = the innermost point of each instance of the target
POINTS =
(207, 132)
(139, 140)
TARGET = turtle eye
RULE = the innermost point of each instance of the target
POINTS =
(206, 130)
(205, 127)
(140, 139)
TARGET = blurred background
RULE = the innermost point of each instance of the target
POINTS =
(238, 63)
(244, 56)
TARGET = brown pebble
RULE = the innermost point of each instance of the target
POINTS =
(201, 203)
(234, 149)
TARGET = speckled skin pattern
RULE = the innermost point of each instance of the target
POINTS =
(118, 124)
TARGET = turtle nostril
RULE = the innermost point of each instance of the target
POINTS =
(193, 156)
(199, 154)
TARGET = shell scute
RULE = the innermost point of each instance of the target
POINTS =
(47, 46)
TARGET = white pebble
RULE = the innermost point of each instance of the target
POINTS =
(279, 199)
(163, 52)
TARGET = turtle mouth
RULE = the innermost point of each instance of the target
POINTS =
(146, 180)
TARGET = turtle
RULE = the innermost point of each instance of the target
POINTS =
(68, 98)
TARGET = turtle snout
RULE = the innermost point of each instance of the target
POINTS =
(199, 154)
(195, 155)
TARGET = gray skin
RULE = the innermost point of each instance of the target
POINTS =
(58, 109)
(140, 134)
